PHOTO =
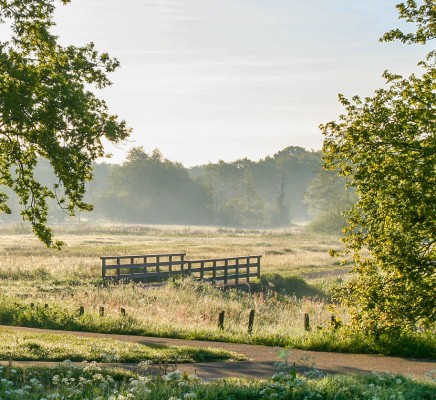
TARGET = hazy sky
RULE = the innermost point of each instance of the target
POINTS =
(205, 80)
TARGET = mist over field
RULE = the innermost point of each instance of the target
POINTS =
(280, 190)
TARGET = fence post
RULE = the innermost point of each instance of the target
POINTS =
(251, 322)
(221, 320)
(123, 312)
(170, 267)
(101, 311)
(214, 271)
(81, 310)
(237, 272)
(202, 270)
(306, 322)
(118, 269)
(103, 269)
(258, 267)
(226, 267)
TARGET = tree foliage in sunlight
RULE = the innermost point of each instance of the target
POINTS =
(47, 110)
(386, 146)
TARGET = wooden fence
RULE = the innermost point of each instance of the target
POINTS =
(155, 267)
(143, 267)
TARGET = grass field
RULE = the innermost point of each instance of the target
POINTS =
(45, 288)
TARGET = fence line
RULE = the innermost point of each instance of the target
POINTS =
(152, 267)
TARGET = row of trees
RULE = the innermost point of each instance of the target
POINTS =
(288, 187)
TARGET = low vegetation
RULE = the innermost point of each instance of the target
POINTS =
(29, 346)
(91, 382)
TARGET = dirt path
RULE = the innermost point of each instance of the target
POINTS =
(261, 359)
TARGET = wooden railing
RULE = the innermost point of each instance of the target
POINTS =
(143, 267)
(154, 267)
(229, 270)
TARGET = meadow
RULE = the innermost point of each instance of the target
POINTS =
(45, 288)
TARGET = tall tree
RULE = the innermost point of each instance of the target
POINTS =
(47, 110)
(386, 146)
(148, 188)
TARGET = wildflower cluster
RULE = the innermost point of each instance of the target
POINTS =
(89, 381)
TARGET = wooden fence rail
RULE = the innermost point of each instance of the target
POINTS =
(152, 267)
(142, 267)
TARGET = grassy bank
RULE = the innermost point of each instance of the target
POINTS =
(27, 346)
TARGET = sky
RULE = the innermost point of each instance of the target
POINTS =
(209, 80)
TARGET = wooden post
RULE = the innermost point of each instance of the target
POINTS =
(306, 322)
(258, 267)
(81, 310)
(118, 269)
(221, 320)
(103, 269)
(145, 267)
(182, 265)
(248, 269)
(123, 312)
(214, 271)
(189, 267)
(170, 267)
(237, 272)
(226, 268)
(251, 322)
(157, 264)
(101, 311)
(202, 270)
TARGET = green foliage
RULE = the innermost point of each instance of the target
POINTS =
(328, 199)
(422, 15)
(91, 382)
(265, 193)
(47, 110)
(386, 147)
(148, 188)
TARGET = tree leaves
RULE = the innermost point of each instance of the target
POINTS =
(386, 146)
(47, 111)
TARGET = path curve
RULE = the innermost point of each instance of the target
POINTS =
(261, 359)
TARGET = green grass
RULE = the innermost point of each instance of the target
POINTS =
(27, 346)
(297, 272)
(92, 382)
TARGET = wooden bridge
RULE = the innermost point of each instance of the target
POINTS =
(157, 267)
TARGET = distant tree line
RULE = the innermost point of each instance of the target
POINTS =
(276, 191)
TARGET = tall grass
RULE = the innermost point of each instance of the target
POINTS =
(70, 278)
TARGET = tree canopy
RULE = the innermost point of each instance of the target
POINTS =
(47, 109)
(386, 146)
